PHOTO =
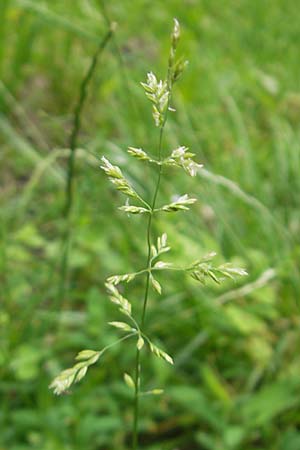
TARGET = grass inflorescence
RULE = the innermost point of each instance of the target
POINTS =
(159, 92)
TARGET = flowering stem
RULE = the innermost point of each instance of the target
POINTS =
(149, 234)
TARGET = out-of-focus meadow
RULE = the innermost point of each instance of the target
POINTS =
(236, 380)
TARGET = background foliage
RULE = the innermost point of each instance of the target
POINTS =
(236, 380)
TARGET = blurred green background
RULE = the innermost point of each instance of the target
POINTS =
(236, 380)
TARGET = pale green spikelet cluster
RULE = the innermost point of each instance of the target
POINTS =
(67, 377)
(204, 269)
(181, 204)
(138, 153)
(181, 157)
(117, 178)
(159, 93)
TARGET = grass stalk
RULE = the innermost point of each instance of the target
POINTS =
(73, 144)
(159, 93)
(148, 265)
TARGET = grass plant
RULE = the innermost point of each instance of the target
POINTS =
(235, 381)
(160, 95)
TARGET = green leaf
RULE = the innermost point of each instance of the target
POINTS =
(192, 399)
(269, 401)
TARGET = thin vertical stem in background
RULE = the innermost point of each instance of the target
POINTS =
(71, 161)
(4, 282)
(77, 121)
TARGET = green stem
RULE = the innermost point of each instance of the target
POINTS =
(138, 352)
(77, 121)
(117, 342)
(149, 233)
